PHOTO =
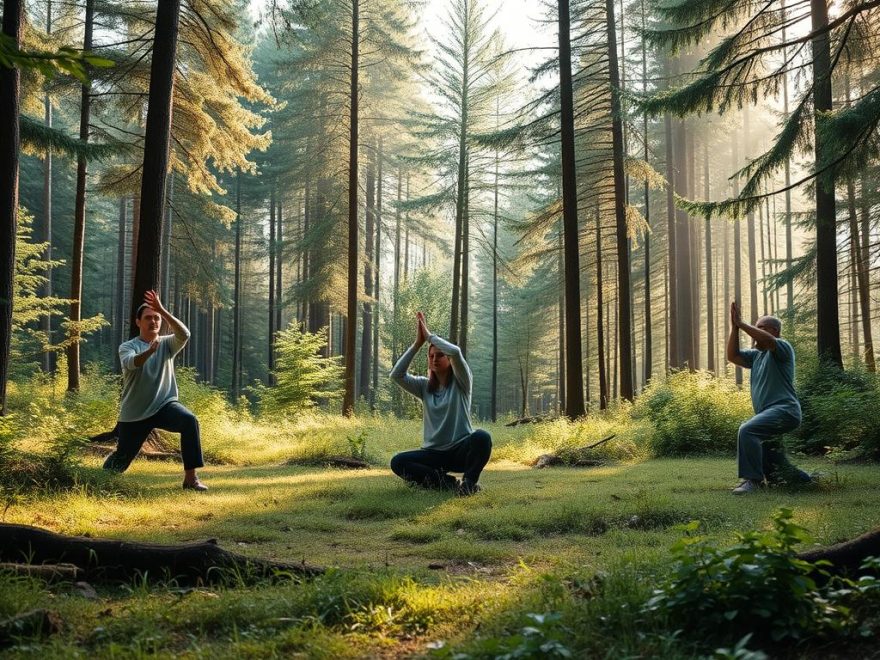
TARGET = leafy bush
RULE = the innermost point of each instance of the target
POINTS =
(836, 407)
(756, 586)
(302, 375)
(693, 413)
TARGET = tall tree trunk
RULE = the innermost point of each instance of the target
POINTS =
(79, 222)
(270, 357)
(397, 252)
(855, 258)
(165, 268)
(648, 357)
(671, 242)
(710, 299)
(737, 251)
(865, 277)
(624, 289)
(279, 263)
(47, 292)
(493, 394)
(684, 283)
(465, 263)
(363, 389)
(236, 297)
(754, 312)
(156, 147)
(376, 276)
(789, 287)
(352, 292)
(10, 102)
(827, 319)
(600, 330)
(119, 317)
(573, 368)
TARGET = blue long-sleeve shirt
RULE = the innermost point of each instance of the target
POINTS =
(446, 412)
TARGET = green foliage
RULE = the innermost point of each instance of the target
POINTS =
(358, 446)
(835, 406)
(542, 637)
(757, 586)
(693, 413)
(302, 374)
(66, 60)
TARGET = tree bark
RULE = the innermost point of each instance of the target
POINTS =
(119, 320)
(157, 138)
(352, 292)
(827, 313)
(573, 368)
(377, 272)
(235, 388)
(48, 356)
(600, 330)
(79, 222)
(624, 289)
(10, 102)
(710, 297)
(363, 389)
(270, 357)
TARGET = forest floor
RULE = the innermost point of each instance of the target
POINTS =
(412, 570)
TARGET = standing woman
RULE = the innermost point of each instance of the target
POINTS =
(449, 442)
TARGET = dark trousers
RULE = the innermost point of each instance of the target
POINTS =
(172, 417)
(759, 450)
(429, 467)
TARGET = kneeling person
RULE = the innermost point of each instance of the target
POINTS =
(149, 392)
(449, 442)
(776, 406)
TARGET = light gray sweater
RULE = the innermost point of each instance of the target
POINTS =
(447, 411)
(146, 389)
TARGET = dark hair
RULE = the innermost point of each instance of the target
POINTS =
(140, 311)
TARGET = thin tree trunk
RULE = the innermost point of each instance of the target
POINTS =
(600, 331)
(377, 274)
(461, 183)
(493, 395)
(671, 241)
(710, 299)
(789, 287)
(119, 317)
(165, 268)
(827, 313)
(352, 292)
(236, 297)
(363, 390)
(624, 289)
(648, 357)
(156, 152)
(46, 321)
(79, 222)
(10, 102)
(573, 368)
(270, 357)
(864, 278)
(684, 283)
(737, 252)
(465, 262)
(279, 264)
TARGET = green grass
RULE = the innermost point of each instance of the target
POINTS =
(410, 567)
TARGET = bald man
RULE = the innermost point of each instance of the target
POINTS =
(776, 406)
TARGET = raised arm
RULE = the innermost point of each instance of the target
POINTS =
(412, 384)
(733, 355)
(181, 332)
(460, 369)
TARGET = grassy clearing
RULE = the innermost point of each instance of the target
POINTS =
(412, 567)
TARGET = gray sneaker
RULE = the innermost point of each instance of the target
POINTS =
(747, 486)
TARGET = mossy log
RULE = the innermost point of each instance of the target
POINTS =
(48, 572)
(847, 557)
(108, 560)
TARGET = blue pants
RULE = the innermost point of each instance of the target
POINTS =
(758, 456)
(428, 467)
(172, 417)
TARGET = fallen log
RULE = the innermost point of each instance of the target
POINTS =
(531, 420)
(48, 572)
(108, 560)
(847, 557)
(579, 457)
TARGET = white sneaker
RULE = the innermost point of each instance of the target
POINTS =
(747, 486)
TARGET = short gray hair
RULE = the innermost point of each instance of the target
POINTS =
(773, 322)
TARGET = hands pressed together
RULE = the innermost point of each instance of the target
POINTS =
(422, 332)
(735, 315)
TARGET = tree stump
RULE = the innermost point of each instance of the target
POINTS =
(108, 560)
